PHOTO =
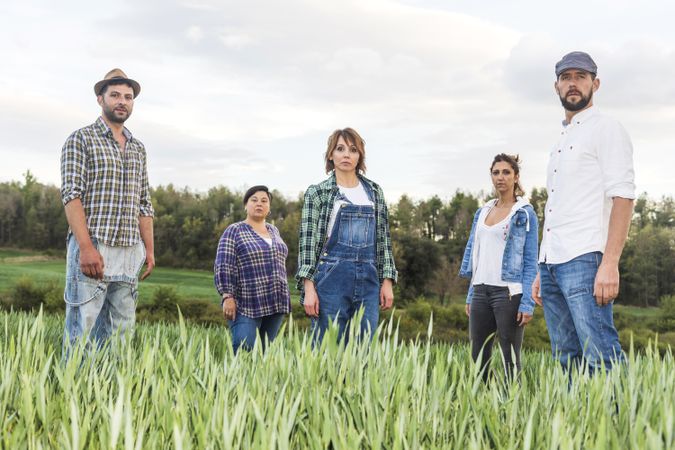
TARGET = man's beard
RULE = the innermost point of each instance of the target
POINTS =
(578, 106)
(110, 115)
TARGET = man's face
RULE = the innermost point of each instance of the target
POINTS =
(575, 88)
(117, 102)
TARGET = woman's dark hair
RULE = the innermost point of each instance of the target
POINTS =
(254, 189)
(514, 162)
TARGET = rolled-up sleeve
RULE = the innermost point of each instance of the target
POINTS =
(73, 168)
(225, 267)
(615, 155)
(146, 208)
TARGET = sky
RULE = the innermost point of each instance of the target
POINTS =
(242, 93)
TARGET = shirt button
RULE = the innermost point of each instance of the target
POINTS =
(550, 210)
(320, 262)
(325, 254)
(555, 170)
(570, 147)
(559, 150)
(548, 229)
(552, 190)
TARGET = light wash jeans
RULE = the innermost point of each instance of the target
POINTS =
(95, 309)
(580, 330)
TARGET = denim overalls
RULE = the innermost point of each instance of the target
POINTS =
(346, 278)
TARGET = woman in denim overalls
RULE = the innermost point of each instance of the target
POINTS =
(501, 260)
(345, 260)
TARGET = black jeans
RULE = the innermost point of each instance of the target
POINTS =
(493, 310)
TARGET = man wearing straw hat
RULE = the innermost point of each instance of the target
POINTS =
(104, 188)
(590, 186)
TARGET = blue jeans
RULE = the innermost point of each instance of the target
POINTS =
(95, 309)
(245, 330)
(580, 330)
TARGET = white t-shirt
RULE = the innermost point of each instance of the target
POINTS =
(268, 240)
(357, 195)
(489, 245)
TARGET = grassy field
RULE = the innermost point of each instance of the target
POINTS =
(190, 284)
(181, 387)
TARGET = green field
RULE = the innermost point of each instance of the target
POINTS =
(190, 284)
(196, 296)
(181, 387)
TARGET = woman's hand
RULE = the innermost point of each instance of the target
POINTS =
(229, 308)
(386, 294)
(523, 319)
(311, 299)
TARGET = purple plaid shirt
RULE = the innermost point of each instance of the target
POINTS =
(253, 271)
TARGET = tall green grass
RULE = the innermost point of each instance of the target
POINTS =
(181, 387)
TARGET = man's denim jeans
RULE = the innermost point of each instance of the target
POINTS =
(245, 330)
(580, 330)
(97, 308)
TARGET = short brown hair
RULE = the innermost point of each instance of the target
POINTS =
(514, 162)
(353, 139)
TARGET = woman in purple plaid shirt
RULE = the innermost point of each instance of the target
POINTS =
(250, 273)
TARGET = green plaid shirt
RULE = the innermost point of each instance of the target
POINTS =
(112, 185)
(318, 205)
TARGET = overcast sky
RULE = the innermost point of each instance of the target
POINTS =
(241, 93)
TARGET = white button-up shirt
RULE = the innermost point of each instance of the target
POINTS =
(591, 164)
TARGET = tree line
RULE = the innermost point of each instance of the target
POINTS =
(428, 235)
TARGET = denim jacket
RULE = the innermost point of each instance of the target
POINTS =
(519, 263)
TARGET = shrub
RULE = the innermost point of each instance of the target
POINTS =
(27, 295)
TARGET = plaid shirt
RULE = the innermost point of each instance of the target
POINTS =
(253, 271)
(112, 185)
(318, 205)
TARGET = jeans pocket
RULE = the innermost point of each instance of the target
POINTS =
(353, 230)
(326, 267)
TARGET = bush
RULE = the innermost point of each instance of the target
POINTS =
(165, 303)
(27, 295)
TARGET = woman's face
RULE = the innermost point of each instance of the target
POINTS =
(258, 206)
(345, 156)
(503, 178)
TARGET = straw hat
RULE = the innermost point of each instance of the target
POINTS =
(117, 75)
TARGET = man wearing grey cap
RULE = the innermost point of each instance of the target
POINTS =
(591, 189)
(104, 188)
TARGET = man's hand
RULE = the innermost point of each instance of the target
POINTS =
(91, 262)
(467, 309)
(311, 302)
(536, 290)
(229, 308)
(150, 264)
(386, 294)
(606, 286)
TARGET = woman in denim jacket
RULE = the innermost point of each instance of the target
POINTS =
(501, 260)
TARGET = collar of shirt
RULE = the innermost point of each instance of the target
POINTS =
(104, 129)
(581, 117)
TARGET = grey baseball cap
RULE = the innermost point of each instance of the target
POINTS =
(576, 60)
